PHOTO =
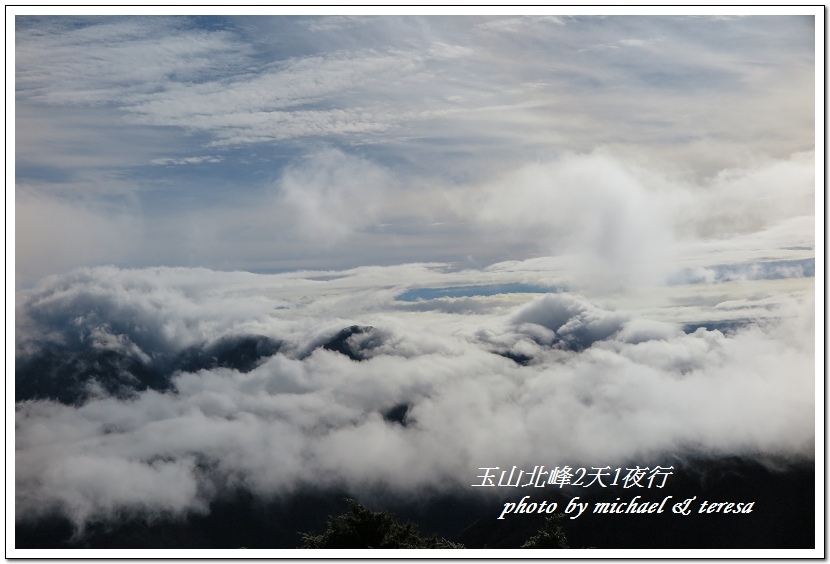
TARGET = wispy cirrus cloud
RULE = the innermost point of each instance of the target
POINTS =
(211, 80)
(441, 104)
(517, 24)
(133, 57)
(187, 160)
(327, 24)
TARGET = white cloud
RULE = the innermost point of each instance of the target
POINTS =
(187, 160)
(754, 198)
(518, 24)
(111, 60)
(635, 391)
(330, 195)
(390, 75)
(594, 206)
(472, 126)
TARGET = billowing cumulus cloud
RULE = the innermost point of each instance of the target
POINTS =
(551, 378)
(588, 205)
(570, 322)
(330, 195)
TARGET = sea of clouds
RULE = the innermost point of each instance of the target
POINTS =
(558, 378)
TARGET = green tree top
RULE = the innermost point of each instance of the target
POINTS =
(551, 535)
(363, 528)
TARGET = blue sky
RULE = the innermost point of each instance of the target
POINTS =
(276, 143)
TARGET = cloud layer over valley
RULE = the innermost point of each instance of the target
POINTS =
(178, 384)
